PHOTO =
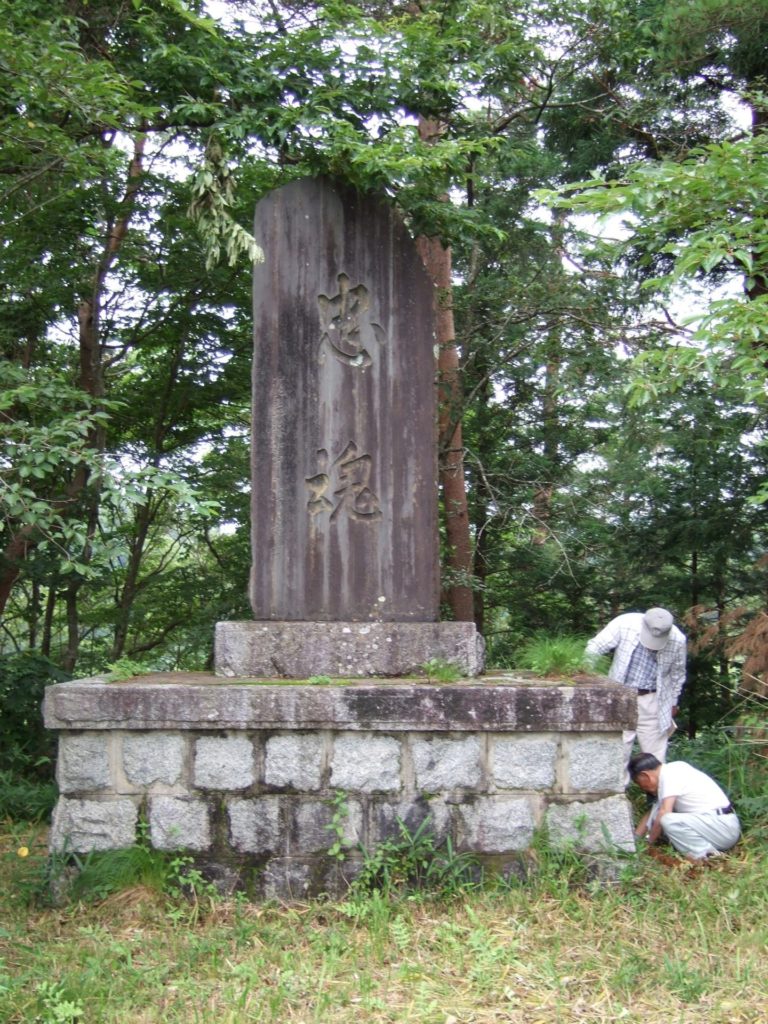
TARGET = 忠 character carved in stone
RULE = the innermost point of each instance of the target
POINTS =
(347, 479)
(343, 320)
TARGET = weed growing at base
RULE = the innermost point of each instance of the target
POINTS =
(415, 863)
(440, 671)
(549, 656)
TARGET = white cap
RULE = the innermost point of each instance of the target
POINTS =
(655, 627)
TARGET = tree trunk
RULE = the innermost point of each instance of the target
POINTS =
(550, 424)
(50, 608)
(437, 260)
(69, 658)
(130, 587)
(11, 561)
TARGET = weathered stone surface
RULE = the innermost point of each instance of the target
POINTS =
(298, 650)
(445, 764)
(93, 704)
(295, 878)
(254, 825)
(368, 764)
(150, 758)
(597, 826)
(344, 473)
(288, 879)
(225, 763)
(312, 830)
(594, 764)
(83, 763)
(176, 823)
(384, 819)
(460, 753)
(295, 760)
(521, 763)
(495, 824)
(80, 826)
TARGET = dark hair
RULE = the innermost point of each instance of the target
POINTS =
(642, 763)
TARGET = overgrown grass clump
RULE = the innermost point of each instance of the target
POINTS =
(559, 655)
(414, 863)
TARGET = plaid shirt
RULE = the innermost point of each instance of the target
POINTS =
(642, 668)
(622, 636)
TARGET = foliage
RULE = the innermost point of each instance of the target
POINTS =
(126, 668)
(58, 1008)
(705, 215)
(26, 747)
(336, 826)
(441, 671)
(415, 862)
(100, 874)
(47, 424)
(549, 656)
(556, 868)
(25, 798)
(212, 195)
(72, 878)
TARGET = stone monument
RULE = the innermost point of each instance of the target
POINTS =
(345, 573)
(243, 772)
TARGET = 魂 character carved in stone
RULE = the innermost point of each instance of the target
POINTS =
(318, 486)
(348, 479)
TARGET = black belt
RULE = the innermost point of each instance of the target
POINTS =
(724, 810)
(642, 693)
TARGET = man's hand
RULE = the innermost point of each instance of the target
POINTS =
(642, 825)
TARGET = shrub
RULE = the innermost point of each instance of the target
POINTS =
(23, 798)
(26, 747)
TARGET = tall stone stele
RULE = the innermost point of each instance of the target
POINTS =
(345, 573)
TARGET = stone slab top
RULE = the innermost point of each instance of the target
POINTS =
(503, 702)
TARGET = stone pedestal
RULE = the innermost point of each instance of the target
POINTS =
(298, 650)
(245, 777)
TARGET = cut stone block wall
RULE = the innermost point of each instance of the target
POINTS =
(244, 776)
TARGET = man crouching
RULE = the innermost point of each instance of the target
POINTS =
(691, 810)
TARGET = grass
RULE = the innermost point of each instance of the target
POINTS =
(665, 945)
(563, 655)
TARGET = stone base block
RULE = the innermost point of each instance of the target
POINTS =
(266, 783)
(300, 650)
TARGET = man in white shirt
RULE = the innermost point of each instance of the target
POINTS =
(648, 657)
(691, 809)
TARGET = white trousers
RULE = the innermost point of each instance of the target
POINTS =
(697, 835)
(650, 737)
